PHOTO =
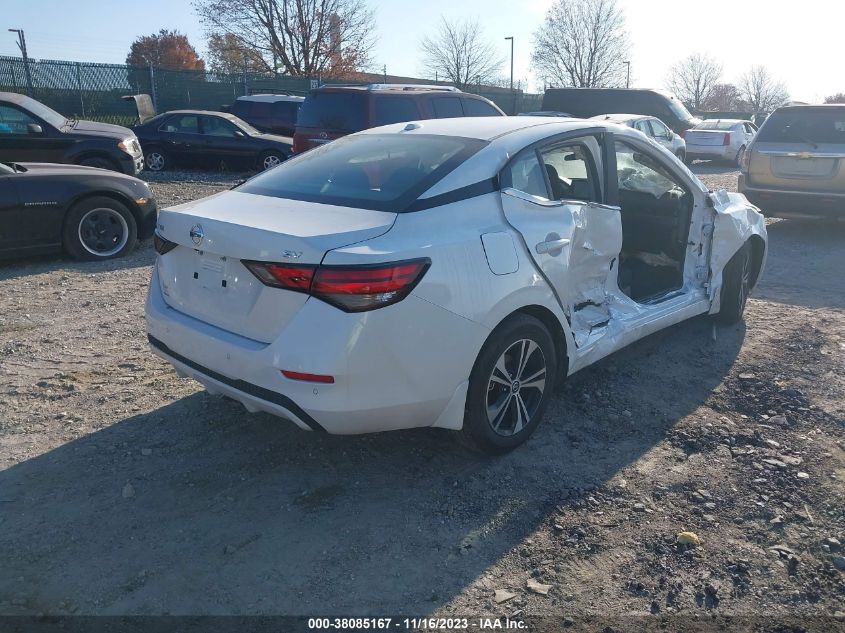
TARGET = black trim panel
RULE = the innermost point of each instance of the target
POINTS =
(241, 385)
(464, 193)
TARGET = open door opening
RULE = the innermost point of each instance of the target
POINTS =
(656, 210)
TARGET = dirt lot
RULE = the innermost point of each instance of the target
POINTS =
(124, 490)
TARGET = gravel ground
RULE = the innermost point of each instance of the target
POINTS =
(124, 490)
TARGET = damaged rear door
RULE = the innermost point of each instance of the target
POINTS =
(552, 195)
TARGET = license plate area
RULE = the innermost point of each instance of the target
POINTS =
(211, 271)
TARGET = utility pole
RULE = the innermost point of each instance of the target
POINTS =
(22, 46)
(513, 97)
(385, 73)
(628, 81)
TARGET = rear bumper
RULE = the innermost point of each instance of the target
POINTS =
(711, 152)
(399, 367)
(784, 203)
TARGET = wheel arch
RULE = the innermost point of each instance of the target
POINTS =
(552, 323)
(94, 153)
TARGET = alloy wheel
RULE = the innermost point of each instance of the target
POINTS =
(515, 387)
(271, 160)
(103, 232)
(155, 161)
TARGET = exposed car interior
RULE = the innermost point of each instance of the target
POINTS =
(656, 211)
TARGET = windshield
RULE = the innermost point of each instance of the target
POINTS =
(715, 125)
(679, 110)
(808, 125)
(44, 113)
(246, 127)
(6, 169)
(342, 111)
(383, 172)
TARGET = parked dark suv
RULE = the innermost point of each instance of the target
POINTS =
(589, 102)
(30, 132)
(275, 114)
(330, 112)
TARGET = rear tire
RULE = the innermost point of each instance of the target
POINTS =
(99, 228)
(736, 285)
(682, 156)
(510, 386)
(739, 155)
(270, 159)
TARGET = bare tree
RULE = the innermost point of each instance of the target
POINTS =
(459, 54)
(693, 79)
(582, 43)
(724, 98)
(330, 38)
(762, 91)
(839, 97)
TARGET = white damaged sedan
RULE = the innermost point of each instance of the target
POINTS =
(443, 273)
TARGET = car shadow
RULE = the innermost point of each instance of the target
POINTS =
(200, 508)
(143, 255)
(807, 268)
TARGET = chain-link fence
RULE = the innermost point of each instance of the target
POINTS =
(93, 91)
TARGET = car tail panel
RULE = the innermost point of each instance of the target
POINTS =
(205, 276)
(705, 137)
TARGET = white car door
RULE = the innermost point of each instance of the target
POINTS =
(661, 133)
(552, 196)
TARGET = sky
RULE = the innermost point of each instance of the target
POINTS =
(801, 47)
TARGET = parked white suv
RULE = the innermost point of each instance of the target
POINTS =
(443, 273)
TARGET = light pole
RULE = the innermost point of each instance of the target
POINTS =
(513, 98)
(22, 46)
(628, 80)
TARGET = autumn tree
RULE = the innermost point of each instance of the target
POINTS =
(694, 78)
(227, 55)
(839, 97)
(165, 49)
(310, 38)
(723, 98)
(762, 91)
(459, 54)
(582, 44)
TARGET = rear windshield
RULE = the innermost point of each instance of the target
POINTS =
(383, 172)
(818, 125)
(341, 111)
(715, 125)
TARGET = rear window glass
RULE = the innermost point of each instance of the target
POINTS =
(715, 125)
(819, 125)
(477, 107)
(394, 110)
(447, 107)
(343, 111)
(383, 172)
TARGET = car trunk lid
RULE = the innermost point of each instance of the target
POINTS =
(204, 276)
(798, 166)
(705, 137)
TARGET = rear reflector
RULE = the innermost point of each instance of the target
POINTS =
(350, 288)
(297, 375)
(162, 245)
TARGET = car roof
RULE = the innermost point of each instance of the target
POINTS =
(271, 98)
(620, 117)
(14, 97)
(725, 121)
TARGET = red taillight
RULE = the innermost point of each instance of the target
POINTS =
(684, 134)
(288, 276)
(727, 139)
(298, 375)
(162, 245)
(350, 288)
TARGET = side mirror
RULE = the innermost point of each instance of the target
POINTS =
(34, 128)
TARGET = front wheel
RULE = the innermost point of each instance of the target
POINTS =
(510, 386)
(156, 160)
(736, 286)
(269, 160)
(100, 163)
(99, 228)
